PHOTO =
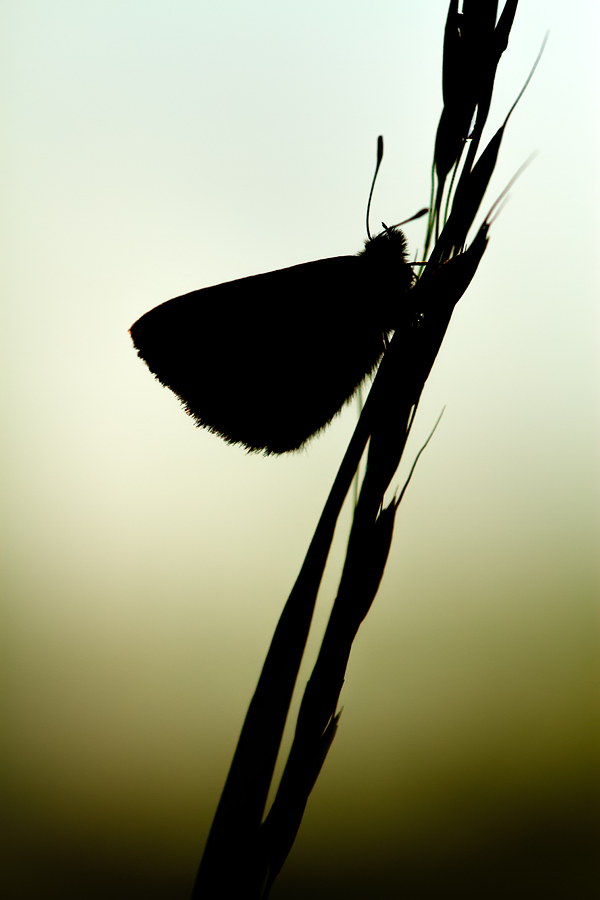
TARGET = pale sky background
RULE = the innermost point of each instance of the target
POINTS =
(151, 148)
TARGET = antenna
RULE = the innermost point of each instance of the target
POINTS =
(417, 215)
(379, 158)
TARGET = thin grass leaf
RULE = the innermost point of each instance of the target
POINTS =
(473, 45)
(232, 840)
(468, 199)
(473, 186)
(479, 17)
(504, 26)
(281, 826)
(452, 57)
(453, 130)
(494, 43)
(467, 82)
(458, 95)
(317, 719)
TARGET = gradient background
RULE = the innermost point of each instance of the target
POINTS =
(151, 148)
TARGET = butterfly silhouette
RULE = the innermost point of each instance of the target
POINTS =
(268, 361)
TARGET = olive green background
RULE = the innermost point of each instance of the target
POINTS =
(151, 148)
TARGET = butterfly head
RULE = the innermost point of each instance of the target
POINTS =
(386, 255)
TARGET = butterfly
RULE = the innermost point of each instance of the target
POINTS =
(269, 360)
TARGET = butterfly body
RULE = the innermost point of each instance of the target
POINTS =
(267, 361)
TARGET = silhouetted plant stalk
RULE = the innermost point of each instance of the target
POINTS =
(245, 851)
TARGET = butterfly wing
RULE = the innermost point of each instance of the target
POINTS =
(267, 361)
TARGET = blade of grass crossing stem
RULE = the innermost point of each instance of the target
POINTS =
(317, 719)
(244, 796)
